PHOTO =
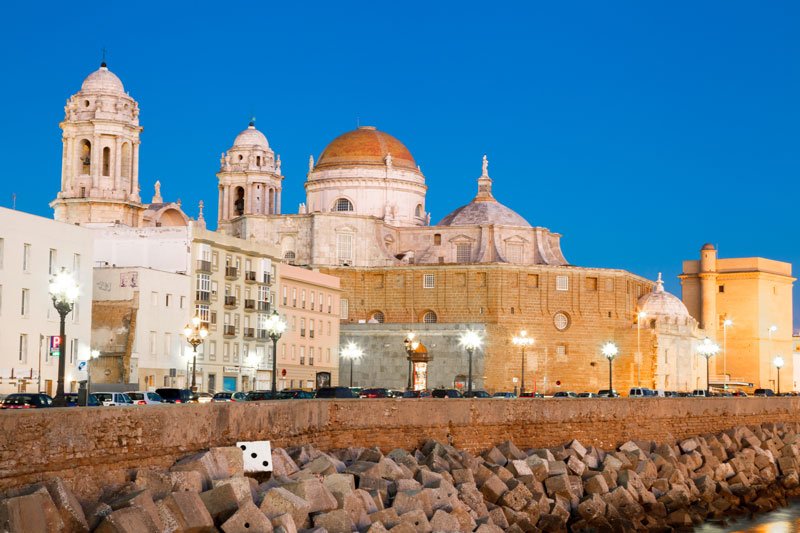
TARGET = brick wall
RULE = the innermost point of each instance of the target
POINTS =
(95, 447)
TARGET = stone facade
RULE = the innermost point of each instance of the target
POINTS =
(755, 294)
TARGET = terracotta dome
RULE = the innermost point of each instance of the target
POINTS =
(251, 137)
(102, 80)
(661, 303)
(708, 246)
(365, 146)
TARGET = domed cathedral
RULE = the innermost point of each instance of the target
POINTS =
(100, 159)
(249, 180)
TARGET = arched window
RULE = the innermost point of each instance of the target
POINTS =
(126, 161)
(437, 239)
(258, 160)
(238, 205)
(85, 155)
(378, 317)
(343, 205)
(429, 317)
(418, 211)
(106, 161)
(289, 257)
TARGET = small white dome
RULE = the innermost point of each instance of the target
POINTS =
(661, 303)
(251, 137)
(102, 80)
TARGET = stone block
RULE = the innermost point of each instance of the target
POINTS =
(354, 505)
(495, 456)
(578, 448)
(278, 501)
(559, 483)
(95, 512)
(409, 484)
(248, 519)
(488, 528)
(221, 502)
(209, 465)
(128, 520)
(187, 481)
(510, 451)
(242, 486)
(189, 511)
(465, 521)
(324, 465)
(576, 466)
(158, 482)
(336, 521)
(539, 467)
(231, 458)
(596, 485)
(410, 500)
(283, 524)
(282, 463)
(520, 470)
(493, 489)
(387, 517)
(557, 468)
(31, 513)
(314, 492)
(516, 498)
(418, 520)
(139, 498)
(68, 506)
(340, 485)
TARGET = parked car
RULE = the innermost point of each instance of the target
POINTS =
(27, 400)
(229, 397)
(72, 400)
(507, 395)
(144, 398)
(587, 395)
(642, 392)
(173, 395)
(565, 394)
(375, 393)
(416, 394)
(295, 394)
(335, 392)
(763, 392)
(700, 393)
(670, 394)
(202, 397)
(260, 395)
(109, 399)
(531, 395)
(604, 393)
(356, 390)
(477, 394)
(739, 393)
(446, 393)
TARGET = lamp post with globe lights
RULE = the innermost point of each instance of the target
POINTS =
(275, 328)
(708, 349)
(352, 352)
(778, 362)
(195, 333)
(64, 291)
(522, 340)
(470, 340)
(610, 352)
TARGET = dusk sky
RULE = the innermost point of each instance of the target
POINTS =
(637, 130)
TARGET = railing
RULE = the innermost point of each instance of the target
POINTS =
(267, 279)
(231, 272)
(262, 334)
(204, 266)
(229, 331)
(250, 276)
(249, 305)
(249, 333)
(202, 296)
(302, 333)
(311, 333)
(302, 360)
(230, 301)
(263, 306)
(310, 361)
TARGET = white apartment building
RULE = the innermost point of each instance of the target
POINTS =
(33, 248)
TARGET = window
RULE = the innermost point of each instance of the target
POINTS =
(26, 258)
(328, 356)
(85, 150)
(429, 317)
(24, 307)
(514, 253)
(106, 161)
(591, 284)
(302, 355)
(303, 298)
(294, 297)
(312, 300)
(311, 328)
(722, 288)
(183, 302)
(285, 290)
(202, 310)
(418, 211)
(167, 299)
(329, 304)
(167, 344)
(51, 268)
(73, 351)
(289, 257)
(378, 317)
(76, 264)
(344, 248)
(212, 350)
(153, 343)
(154, 299)
(463, 253)
(561, 352)
(23, 348)
(428, 281)
(533, 281)
(302, 327)
(561, 321)
(343, 205)
(437, 239)
(562, 283)
(344, 306)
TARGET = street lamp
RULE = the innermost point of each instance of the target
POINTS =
(522, 340)
(639, 319)
(195, 334)
(708, 349)
(64, 292)
(778, 362)
(610, 351)
(411, 344)
(352, 352)
(275, 328)
(470, 340)
(725, 325)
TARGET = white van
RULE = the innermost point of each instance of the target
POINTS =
(700, 393)
(113, 398)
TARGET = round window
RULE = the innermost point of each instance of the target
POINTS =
(561, 321)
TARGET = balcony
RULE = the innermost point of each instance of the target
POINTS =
(249, 333)
(250, 276)
(262, 334)
(204, 266)
(310, 361)
(302, 360)
(229, 331)
(249, 305)
(231, 273)
(230, 302)
(311, 334)
(302, 333)
(263, 306)
(202, 296)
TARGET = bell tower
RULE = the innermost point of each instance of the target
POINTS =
(100, 157)
(250, 180)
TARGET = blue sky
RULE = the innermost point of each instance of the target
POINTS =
(637, 130)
